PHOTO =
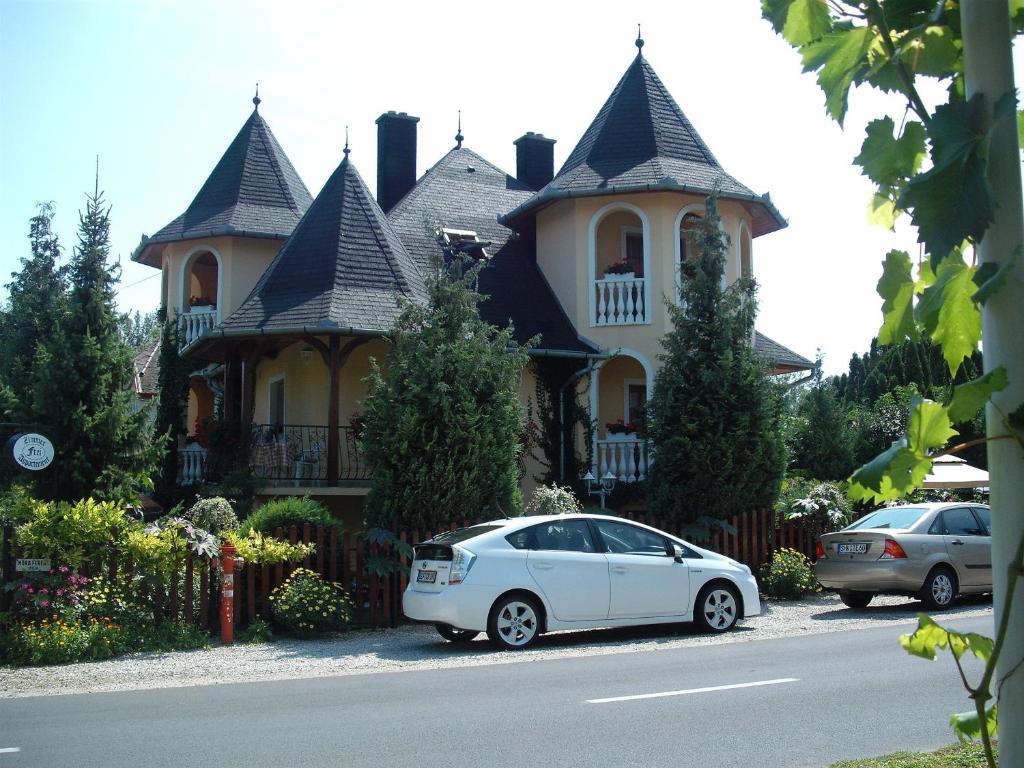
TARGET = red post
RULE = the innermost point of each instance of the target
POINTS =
(227, 593)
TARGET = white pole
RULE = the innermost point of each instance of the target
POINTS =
(989, 71)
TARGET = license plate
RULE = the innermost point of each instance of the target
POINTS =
(851, 549)
(428, 577)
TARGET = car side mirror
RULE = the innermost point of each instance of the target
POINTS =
(677, 553)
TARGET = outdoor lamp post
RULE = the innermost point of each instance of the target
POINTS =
(601, 487)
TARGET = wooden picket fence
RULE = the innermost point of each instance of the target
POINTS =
(342, 558)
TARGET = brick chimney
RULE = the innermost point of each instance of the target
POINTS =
(396, 157)
(535, 159)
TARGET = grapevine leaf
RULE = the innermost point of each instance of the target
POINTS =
(990, 277)
(929, 638)
(775, 12)
(1016, 418)
(952, 201)
(928, 427)
(889, 475)
(841, 58)
(887, 160)
(806, 20)
(882, 211)
(967, 725)
(934, 53)
(980, 646)
(948, 313)
(971, 397)
(902, 15)
(896, 287)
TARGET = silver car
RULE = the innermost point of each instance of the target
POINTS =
(930, 551)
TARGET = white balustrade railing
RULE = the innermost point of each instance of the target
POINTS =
(192, 463)
(620, 300)
(625, 457)
(195, 323)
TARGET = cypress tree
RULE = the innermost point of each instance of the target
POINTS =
(83, 379)
(443, 426)
(36, 299)
(714, 414)
(823, 444)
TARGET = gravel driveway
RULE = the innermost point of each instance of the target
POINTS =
(420, 647)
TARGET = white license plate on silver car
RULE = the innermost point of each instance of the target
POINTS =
(851, 549)
(428, 577)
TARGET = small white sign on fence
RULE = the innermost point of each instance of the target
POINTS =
(25, 564)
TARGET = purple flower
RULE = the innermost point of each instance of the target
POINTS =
(44, 604)
(44, 591)
(31, 591)
(64, 569)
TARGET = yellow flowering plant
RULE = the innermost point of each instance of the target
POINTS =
(788, 576)
(306, 604)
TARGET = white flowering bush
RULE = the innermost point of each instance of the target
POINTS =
(553, 500)
(214, 514)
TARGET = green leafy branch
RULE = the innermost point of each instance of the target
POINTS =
(888, 46)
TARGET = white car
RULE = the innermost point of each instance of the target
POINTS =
(517, 578)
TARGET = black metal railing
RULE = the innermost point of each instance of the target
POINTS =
(293, 454)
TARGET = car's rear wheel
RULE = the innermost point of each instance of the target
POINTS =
(852, 599)
(717, 608)
(940, 588)
(514, 622)
(455, 635)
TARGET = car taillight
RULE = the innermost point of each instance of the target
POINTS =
(462, 561)
(819, 552)
(893, 551)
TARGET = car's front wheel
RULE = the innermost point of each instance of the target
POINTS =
(514, 623)
(455, 635)
(717, 608)
(939, 589)
(852, 599)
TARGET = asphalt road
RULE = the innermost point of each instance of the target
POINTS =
(801, 701)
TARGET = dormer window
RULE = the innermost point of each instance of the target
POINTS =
(466, 241)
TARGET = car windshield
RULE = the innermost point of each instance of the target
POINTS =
(893, 517)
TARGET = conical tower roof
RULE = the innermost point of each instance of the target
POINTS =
(343, 269)
(640, 141)
(254, 191)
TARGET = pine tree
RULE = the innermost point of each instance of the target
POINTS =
(714, 413)
(443, 426)
(37, 297)
(83, 378)
(823, 445)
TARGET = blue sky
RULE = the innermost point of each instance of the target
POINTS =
(158, 89)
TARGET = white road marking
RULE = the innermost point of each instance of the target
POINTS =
(694, 690)
(9, 750)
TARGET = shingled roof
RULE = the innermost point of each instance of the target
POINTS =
(254, 191)
(343, 269)
(466, 192)
(641, 141)
(782, 358)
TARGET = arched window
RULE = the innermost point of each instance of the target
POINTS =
(689, 237)
(746, 259)
(620, 262)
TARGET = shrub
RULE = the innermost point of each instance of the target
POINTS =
(788, 576)
(258, 549)
(72, 533)
(41, 595)
(553, 500)
(288, 511)
(824, 502)
(57, 641)
(305, 604)
(214, 515)
(256, 632)
(118, 602)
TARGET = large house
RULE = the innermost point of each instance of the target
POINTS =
(283, 299)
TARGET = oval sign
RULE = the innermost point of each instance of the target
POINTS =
(31, 451)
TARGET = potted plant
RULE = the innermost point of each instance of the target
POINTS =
(619, 270)
(201, 304)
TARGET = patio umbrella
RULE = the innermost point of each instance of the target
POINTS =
(954, 472)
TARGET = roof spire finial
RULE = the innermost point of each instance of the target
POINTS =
(346, 149)
(639, 41)
(256, 99)
(458, 136)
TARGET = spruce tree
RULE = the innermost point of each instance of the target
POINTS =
(714, 414)
(823, 445)
(83, 377)
(443, 425)
(36, 300)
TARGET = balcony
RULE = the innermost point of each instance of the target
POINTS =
(194, 323)
(625, 456)
(296, 455)
(620, 300)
